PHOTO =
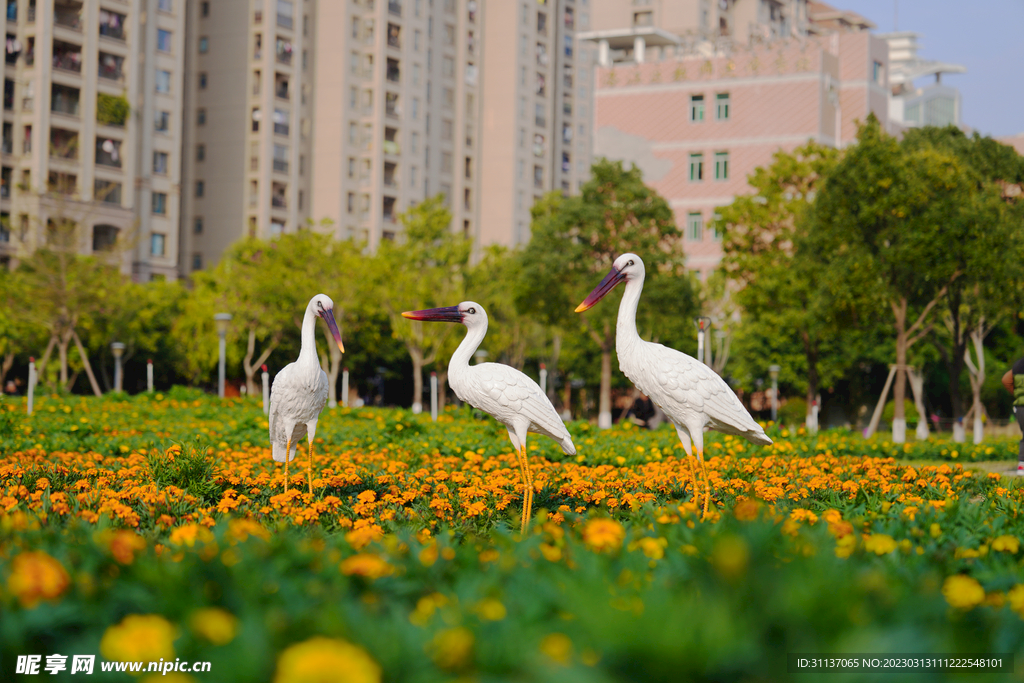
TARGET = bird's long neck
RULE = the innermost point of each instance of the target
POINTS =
(459, 363)
(625, 328)
(307, 351)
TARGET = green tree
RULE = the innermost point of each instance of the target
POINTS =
(990, 258)
(574, 241)
(885, 224)
(789, 314)
(424, 268)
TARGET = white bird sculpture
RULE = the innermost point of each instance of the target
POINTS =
(300, 390)
(511, 397)
(691, 394)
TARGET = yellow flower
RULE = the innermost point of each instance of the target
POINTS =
(935, 530)
(359, 538)
(190, 533)
(963, 592)
(603, 534)
(1006, 544)
(491, 609)
(242, 529)
(1015, 596)
(216, 625)
(452, 648)
(326, 660)
(746, 510)
(365, 564)
(123, 544)
(653, 548)
(139, 637)
(879, 544)
(730, 556)
(36, 576)
(845, 545)
(557, 646)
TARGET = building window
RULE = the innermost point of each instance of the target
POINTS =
(108, 152)
(202, 81)
(538, 177)
(111, 24)
(351, 202)
(197, 261)
(200, 152)
(197, 226)
(876, 72)
(163, 81)
(106, 191)
(165, 6)
(643, 18)
(696, 168)
(205, 8)
(542, 23)
(160, 203)
(696, 108)
(163, 40)
(162, 122)
(257, 116)
(722, 106)
(694, 227)
(160, 163)
(200, 117)
(204, 45)
(721, 165)
(157, 244)
(200, 188)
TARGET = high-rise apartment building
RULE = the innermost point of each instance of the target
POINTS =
(537, 110)
(397, 114)
(935, 104)
(91, 132)
(247, 123)
(699, 114)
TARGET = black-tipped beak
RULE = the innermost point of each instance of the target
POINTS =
(446, 314)
(613, 278)
(328, 315)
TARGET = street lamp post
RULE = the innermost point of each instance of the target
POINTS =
(703, 324)
(222, 320)
(118, 349)
(773, 370)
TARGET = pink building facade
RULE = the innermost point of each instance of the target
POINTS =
(698, 126)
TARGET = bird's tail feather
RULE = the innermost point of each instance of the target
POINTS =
(759, 437)
(568, 447)
(278, 451)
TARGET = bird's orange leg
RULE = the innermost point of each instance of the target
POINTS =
(522, 475)
(693, 479)
(287, 450)
(528, 497)
(309, 469)
(707, 486)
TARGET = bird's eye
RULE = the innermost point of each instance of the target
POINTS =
(471, 310)
(320, 305)
(630, 262)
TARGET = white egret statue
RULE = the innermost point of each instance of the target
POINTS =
(692, 396)
(511, 397)
(300, 390)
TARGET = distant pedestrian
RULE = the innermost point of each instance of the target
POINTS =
(1013, 380)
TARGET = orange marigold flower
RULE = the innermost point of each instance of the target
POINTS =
(879, 544)
(746, 510)
(845, 545)
(190, 533)
(326, 660)
(366, 564)
(139, 637)
(364, 535)
(36, 576)
(603, 535)
(123, 544)
(242, 529)
(963, 592)
(216, 625)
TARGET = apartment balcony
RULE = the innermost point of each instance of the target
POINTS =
(395, 8)
(63, 100)
(281, 165)
(111, 67)
(112, 25)
(66, 14)
(63, 144)
(284, 52)
(67, 57)
(394, 73)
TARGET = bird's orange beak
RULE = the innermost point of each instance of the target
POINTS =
(446, 314)
(328, 316)
(606, 285)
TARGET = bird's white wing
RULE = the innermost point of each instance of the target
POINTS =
(296, 398)
(686, 389)
(507, 393)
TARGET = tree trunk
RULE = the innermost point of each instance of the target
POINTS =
(917, 388)
(904, 341)
(41, 365)
(977, 377)
(566, 398)
(811, 353)
(442, 392)
(85, 363)
(5, 366)
(417, 380)
(250, 367)
(556, 351)
(62, 354)
(604, 410)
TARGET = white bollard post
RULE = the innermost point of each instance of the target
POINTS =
(543, 379)
(700, 345)
(344, 387)
(149, 375)
(31, 383)
(433, 396)
(266, 391)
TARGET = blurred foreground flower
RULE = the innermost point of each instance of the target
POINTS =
(603, 535)
(36, 576)
(963, 592)
(452, 648)
(139, 637)
(216, 625)
(557, 646)
(365, 564)
(326, 660)
(879, 544)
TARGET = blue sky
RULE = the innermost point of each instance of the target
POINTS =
(986, 37)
